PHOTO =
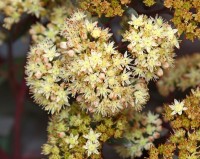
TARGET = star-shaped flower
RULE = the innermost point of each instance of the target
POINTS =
(92, 148)
(177, 107)
(92, 136)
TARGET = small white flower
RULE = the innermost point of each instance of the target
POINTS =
(177, 107)
(72, 140)
(92, 148)
(92, 136)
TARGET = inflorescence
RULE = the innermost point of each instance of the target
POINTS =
(185, 121)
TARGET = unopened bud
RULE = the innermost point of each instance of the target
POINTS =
(79, 98)
(91, 110)
(53, 97)
(158, 121)
(61, 134)
(165, 65)
(38, 52)
(129, 47)
(151, 138)
(102, 76)
(70, 44)
(38, 59)
(156, 135)
(63, 45)
(46, 60)
(38, 74)
(71, 53)
(159, 128)
(48, 65)
(158, 63)
(160, 72)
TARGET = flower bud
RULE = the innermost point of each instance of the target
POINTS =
(160, 72)
(61, 134)
(38, 74)
(71, 53)
(102, 76)
(79, 98)
(156, 135)
(165, 65)
(63, 45)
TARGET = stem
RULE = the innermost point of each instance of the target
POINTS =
(19, 92)
(18, 116)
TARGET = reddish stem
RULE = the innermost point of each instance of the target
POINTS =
(19, 92)
(19, 99)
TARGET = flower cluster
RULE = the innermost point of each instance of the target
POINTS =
(149, 3)
(87, 67)
(108, 8)
(151, 44)
(14, 9)
(56, 19)
(73, 134)
(43, 72)
(185, 120)
(186, 16)
(184, 75)
(140, 134)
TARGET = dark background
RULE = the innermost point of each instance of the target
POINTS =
(22, 123)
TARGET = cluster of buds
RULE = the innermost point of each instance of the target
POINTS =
(140, 134)
(39, 32)
(107, 8)
(151, 44)
(185, 121)
(14, 10)
(88, 67)
(186, 16)
(149, 3)
(185, 74)
(73, 134)
(42, 72)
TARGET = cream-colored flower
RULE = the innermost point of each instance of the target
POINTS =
(72, 140)
(177, 107)
(92, 136)
(92, 148)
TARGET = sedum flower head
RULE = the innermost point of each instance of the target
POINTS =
(149, 3)
(177, 107)
(185, 20)
(69, 140)
(185, 74)
(107, 8)
(184, 141)
(42, 72)
(50, 10)
(87, 67)
(151, 44)
(140, 134)
(39, 32)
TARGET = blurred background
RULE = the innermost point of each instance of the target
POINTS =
(22, 123)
